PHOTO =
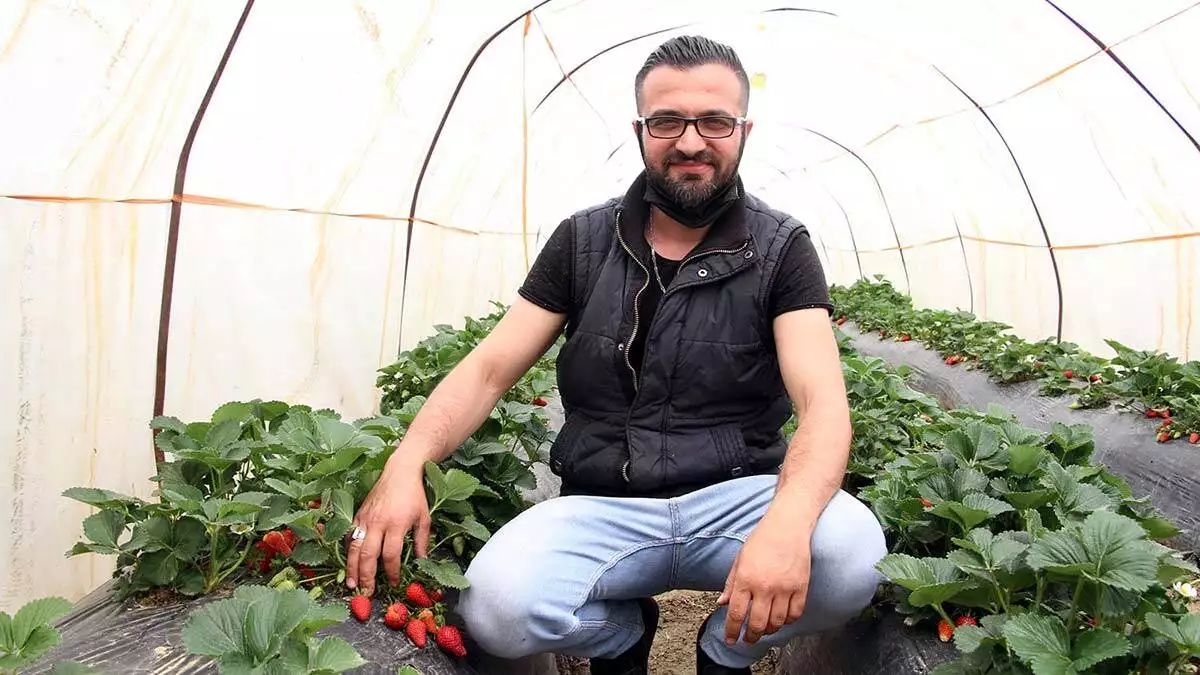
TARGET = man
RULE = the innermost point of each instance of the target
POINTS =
(693, 312)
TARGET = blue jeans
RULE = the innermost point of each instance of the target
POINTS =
(563, 576)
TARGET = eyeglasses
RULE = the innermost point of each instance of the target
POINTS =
(674, 126)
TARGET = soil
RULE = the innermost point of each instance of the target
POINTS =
(674, 649)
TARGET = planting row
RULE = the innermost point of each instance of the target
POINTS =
(1149, 382)
(1011, 541)
(259, 497)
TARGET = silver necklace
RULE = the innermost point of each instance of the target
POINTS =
(654, 256)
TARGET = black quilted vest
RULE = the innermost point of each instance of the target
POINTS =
(709, 401)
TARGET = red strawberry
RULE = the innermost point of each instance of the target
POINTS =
(1165, 412)
(539, 401)
(1096, 377)
(360, 607)
(1068, 374)
(1164, 437)
(276, 542)
(1194, 438)
(926, 503)
(450, 640)
(966, 620)
(945, 630)
(437, 595)
(1151, 412)
(314, 504)
(905, 338)
(841, 319)
(396, 617)
(306, 571)
(417, 595)
(426, 617)
(416, 632)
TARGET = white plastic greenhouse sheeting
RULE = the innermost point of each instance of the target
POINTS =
(947, 142)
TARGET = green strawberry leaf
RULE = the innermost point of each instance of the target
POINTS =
(103, 528)
(167, 423)
(974, 509)
(36, 614)
(333, 654)
(101, 499)
(320, 616)
(1185, 633)
(1159, 528)
(269, 618)
(446, 573)
(1025, 459)
(216, 628)
(1041, 641)
(460, 485)
(310, 553)
(1096, 646)
(188, 538)
(1108, 548)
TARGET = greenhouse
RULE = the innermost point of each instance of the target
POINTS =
(570, 336)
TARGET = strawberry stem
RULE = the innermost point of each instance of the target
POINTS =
(1071, 618)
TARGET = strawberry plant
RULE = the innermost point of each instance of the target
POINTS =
(418, 371)
(263, 493)
(515, 436)
(887, 416)
(26, 636)
(264, 630)
(1017, 547)
(1141, 380)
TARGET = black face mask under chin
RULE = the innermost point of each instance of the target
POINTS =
(704, 214)
(695, 217)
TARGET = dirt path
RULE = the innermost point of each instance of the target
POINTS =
(674, 651)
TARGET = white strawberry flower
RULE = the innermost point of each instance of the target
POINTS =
(1187, 590)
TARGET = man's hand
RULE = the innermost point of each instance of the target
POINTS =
(393, 508)
(769, 580)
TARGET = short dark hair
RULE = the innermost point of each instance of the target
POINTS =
(690, 51)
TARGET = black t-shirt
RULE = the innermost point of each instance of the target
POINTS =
(799, 281)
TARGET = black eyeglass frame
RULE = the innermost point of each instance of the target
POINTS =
(643, 122)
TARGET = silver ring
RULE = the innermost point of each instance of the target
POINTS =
(359, 534)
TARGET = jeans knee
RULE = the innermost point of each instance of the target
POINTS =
(504, 612)
(848, 557)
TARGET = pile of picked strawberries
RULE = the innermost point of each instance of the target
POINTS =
(424, 618)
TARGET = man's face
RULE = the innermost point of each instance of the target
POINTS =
(692, 167)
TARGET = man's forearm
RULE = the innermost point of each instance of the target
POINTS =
(457, 407)
(815, 464)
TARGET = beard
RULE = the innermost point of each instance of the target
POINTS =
(691, 190)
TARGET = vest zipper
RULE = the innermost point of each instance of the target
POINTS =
(637, 301)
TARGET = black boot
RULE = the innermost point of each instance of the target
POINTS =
(706, 666)
(636, 659)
